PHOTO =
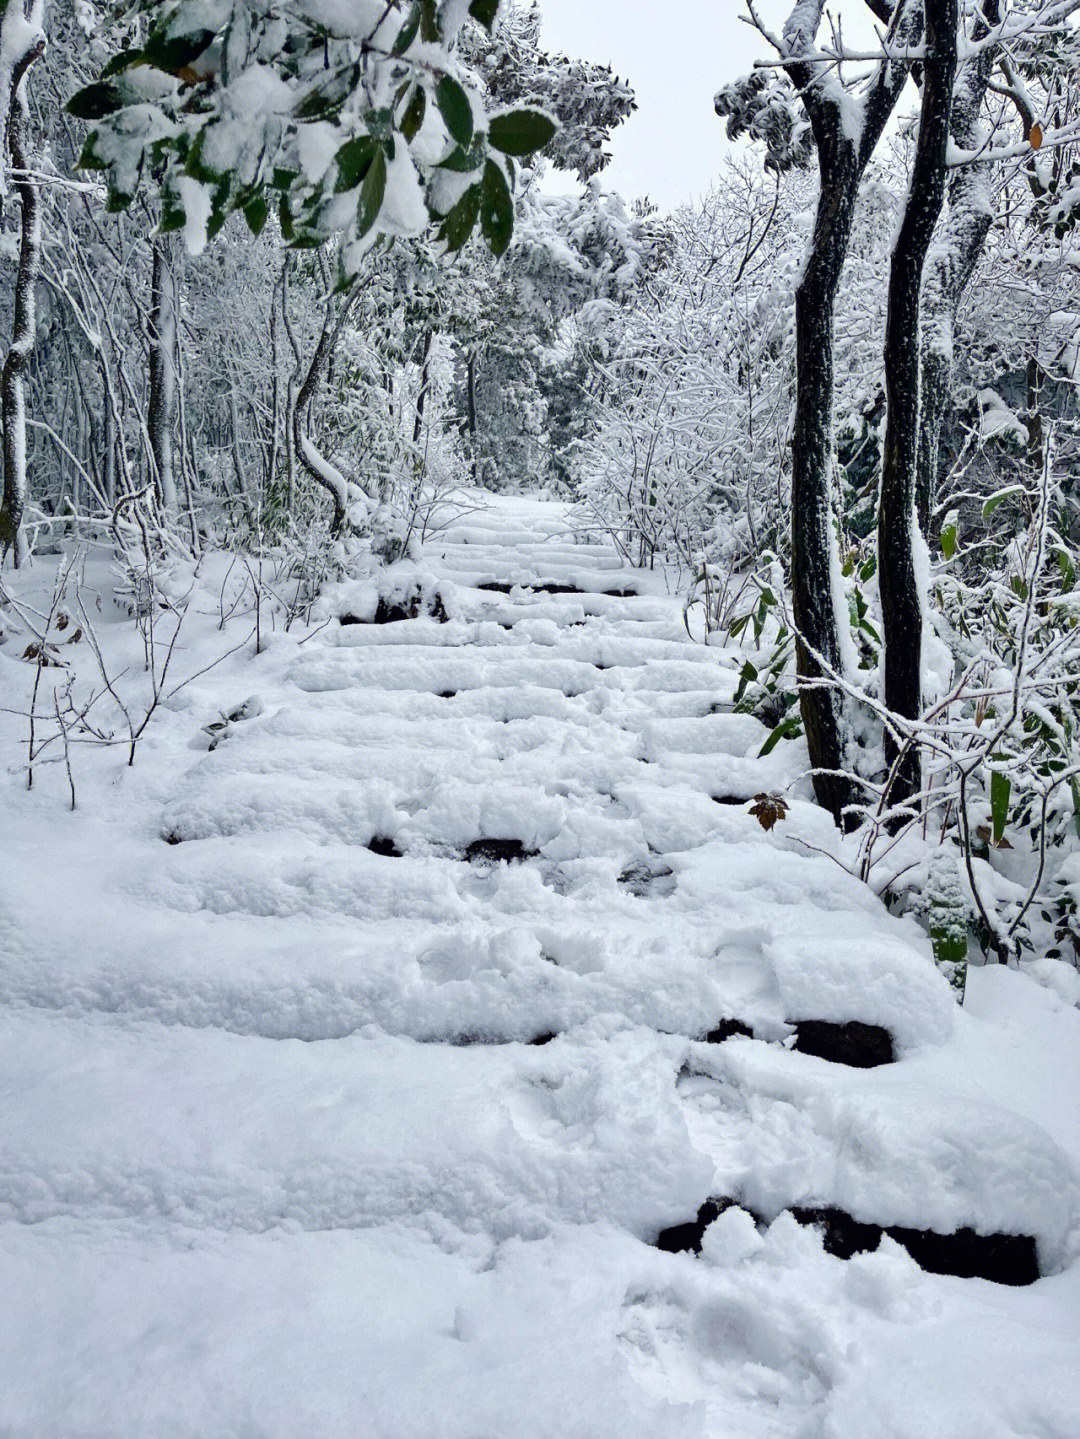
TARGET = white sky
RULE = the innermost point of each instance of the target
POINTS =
(676, 55)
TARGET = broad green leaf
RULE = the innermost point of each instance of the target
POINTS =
(353, 161)
(173, 53)
(789, 726)
(429, 21)
(455, 109)
(460, 222)
(255, 213)
(94, 102)
(372, 192)
(948, 541)
(414, 114)
(1000, 791)
(461, 161)
(992, 503)
(407, 34)
(496, 209)
(484, 12)
(520, 132)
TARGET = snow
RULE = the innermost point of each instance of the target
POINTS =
(288, 1145)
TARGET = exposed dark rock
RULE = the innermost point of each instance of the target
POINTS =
(382, 844)
(545, 1037)
(862, 1046)
(727, 1029)
(684, 1238)
(411, 606)
(1000, 1258)
(643, 880)
(495, 586)
(447, 694)
(497, 851)
(840, 1234)
(731, 798)
(172, 836)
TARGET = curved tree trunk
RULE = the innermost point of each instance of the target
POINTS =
(317, 466)
(901, 602)
(24, 319)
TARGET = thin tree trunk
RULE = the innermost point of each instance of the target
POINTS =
(418, 423)
(950, 267)
(470, 392)
(901, 602)
(317, 466)
(24, 321)
(161, 409)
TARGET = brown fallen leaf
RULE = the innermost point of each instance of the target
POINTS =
(768, 808)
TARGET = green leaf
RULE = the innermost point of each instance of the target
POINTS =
(992, 503)
(948, 541)
(462, 161)
(353, 161)
(455, 109)
(172, 211)
(1000, 790)
(496, 209)
(121, 61)
(786, 727)
(173, 53)
(94, 102)
(746, 675)
(520, 132)
(484, 12)
(460, 222)
(1067, 568)
(256, 212)
(429, 22)
(414, 114)
(407, 34)
(371, 193)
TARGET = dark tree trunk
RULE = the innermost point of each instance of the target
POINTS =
(418, 423)
(950, 268)
(161, 407)
(842, 158)
(470, 390)
(317, 467)
(812, 463)
(901, 603)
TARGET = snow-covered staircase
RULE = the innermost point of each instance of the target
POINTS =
(352, 1093)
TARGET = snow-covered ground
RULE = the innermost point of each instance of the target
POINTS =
(306, 1138)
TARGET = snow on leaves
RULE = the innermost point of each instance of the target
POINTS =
(359, 121)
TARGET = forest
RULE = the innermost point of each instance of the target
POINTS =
(540, 728)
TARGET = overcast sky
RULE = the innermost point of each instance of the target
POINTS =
(676, 55)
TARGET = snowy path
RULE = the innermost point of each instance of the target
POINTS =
(321, 1118)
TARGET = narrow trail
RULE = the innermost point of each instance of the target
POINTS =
(350, 1090)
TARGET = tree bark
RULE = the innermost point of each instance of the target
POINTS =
(901, 602)
(317, 467)
(950, 268)
(161, 407)
(24, 320)
(418, 423)
(843, 153)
